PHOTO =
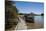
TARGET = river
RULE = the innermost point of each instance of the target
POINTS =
(39, 20)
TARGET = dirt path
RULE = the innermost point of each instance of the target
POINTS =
(21, 25)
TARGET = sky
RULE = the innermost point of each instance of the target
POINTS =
(28, 7)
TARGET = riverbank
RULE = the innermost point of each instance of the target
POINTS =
(33, 26)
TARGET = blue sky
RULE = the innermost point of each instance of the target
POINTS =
(28, 7)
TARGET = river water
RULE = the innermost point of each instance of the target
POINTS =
(39, 20)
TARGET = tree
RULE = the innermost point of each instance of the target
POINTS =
(42, 14)
(10, 13)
